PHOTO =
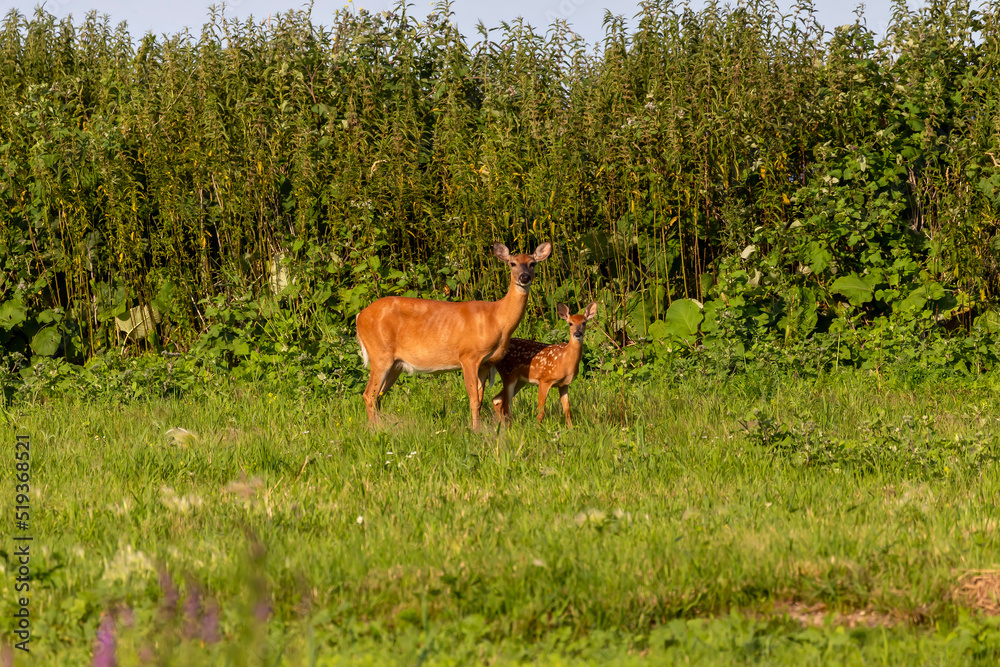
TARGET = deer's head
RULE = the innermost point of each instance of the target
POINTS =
(577, 323)
(522, 267)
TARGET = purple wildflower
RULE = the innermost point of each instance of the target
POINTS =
(192, 607)
(104, 647)
(210, 623)
(262, 611)
(170, 594)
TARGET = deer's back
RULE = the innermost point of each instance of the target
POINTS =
(427, 334)
(533, 361)
(520, 353)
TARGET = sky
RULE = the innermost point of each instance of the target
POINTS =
(584, 16)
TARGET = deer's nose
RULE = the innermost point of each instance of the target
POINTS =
(524, 278)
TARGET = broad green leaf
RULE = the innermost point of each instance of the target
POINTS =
(12, 313)
(46, 341)
(818, 257)
(989, 186)
(919, 297)
(935, 291)
(988, 322)
(914, 301)
(241, 348)
(857, 290)
(682, 318)
(49, 316)
(657, 330)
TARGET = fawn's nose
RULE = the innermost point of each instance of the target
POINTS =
(524, 278)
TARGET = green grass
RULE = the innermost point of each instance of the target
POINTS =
(702, 520)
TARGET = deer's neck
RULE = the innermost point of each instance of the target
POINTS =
(574, 350)
(511, 308)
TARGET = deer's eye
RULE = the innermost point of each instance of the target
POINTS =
(531, 265)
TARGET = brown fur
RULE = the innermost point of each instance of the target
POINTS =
(547, 366)
(424, 336)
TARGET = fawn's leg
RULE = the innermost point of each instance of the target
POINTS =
(564, 399)
(543, 390)
(518, 386)
(503, 400)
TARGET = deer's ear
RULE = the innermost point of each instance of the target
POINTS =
(562, 310)
(542, 251)
(500, 250)
(591, 311)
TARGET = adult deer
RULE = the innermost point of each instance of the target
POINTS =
(422, 336)
(528, 361)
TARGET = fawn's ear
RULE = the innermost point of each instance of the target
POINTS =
(500, 250)
(542, 251)
(591, 311)
(563, 311)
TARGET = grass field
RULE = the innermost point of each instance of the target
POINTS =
(849, 520)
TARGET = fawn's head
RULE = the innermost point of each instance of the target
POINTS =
(522, 267)
(577, 323)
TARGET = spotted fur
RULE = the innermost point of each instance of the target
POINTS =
(532, 362)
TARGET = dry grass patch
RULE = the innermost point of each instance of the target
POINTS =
(980, 590)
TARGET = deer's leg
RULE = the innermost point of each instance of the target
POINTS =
(470, 373)
(380, 370)
(503, 400)
(564, 399)
(519, 384)
(498, 400)
(390, 379)
(543, 390)
(484, 376)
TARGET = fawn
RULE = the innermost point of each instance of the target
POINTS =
(399, 334)
(529, 361)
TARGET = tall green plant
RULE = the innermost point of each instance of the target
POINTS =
(152, 188)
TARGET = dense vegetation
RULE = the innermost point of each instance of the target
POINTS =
(719, 179)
